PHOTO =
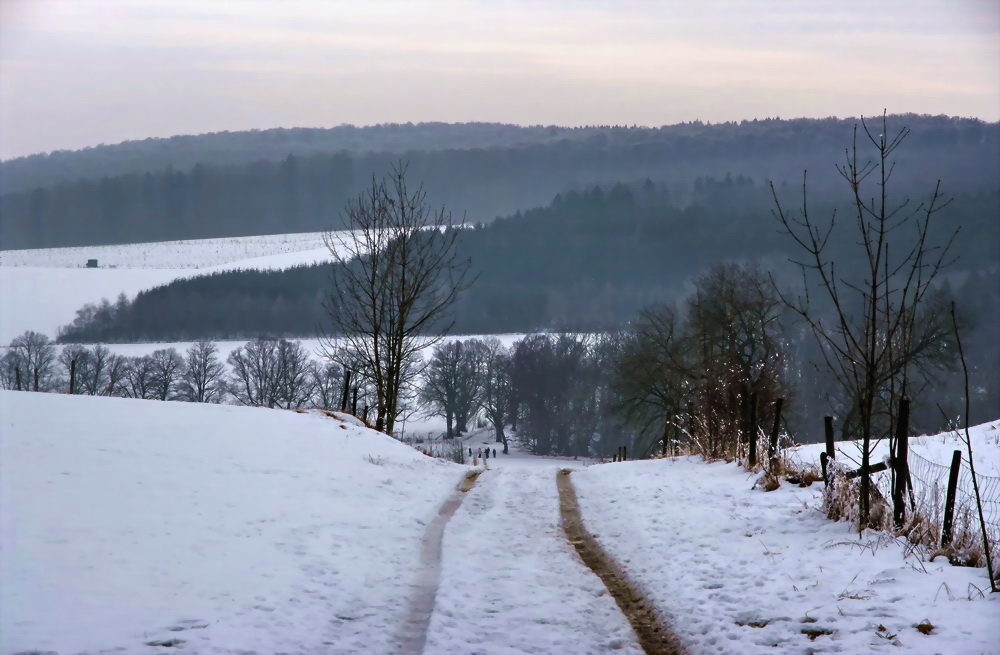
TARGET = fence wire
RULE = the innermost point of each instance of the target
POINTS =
(930, 488)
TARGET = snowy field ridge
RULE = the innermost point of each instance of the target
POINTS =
(182, 254)
(42, 289)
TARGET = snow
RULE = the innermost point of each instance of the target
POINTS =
(41, 289)
(304, 248)
(511, 582)
(717, 559)
(235, 529)
(244, 530)
(937, 448)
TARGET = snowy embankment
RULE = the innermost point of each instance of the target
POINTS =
(744, 571)
(233, 529)
(937, 448)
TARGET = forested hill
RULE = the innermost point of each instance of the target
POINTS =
(276, 181)
(586, 261)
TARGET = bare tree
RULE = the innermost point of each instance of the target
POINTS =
(117, 376)
(254, 373)
(139, 378)
(396, 274)
(881, 326)
(31, 360)
(452, 383)
(202, 377)
(82, 356)
(293, 384)
(167, 368)
(327, 381)
(495, 397)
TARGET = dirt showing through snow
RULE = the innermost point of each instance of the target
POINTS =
(654, 637)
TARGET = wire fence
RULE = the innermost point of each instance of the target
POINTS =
(930, 489)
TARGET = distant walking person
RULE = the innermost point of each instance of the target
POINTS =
(470, 451)
(494, 452)
(487, 453)
(480, 452)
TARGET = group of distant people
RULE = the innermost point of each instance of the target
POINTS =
(481, 451)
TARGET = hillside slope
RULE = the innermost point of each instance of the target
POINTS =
(125, 523)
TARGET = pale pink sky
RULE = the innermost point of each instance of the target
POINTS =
(75, 73)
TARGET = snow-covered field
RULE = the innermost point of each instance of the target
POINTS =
(124, 522)
(243, 530)
(193, 253)
(737, 570)
(41, 290)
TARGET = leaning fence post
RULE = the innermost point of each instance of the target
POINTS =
(772, 446)
(753, 429)
(949, 503)
(828, 430)
(72, 377)
(900, 466)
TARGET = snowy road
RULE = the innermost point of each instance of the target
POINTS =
(511, 583)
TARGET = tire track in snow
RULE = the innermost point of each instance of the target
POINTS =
(654, 637)
(511, 583)
(421, 606)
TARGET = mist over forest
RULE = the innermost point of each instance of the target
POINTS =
(278, 181)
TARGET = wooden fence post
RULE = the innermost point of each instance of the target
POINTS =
(824, 459)
(772, 445)
(666, 434)
(753, 429)
(949, 503)
(72, 377)
(900, 467)
(624, 453)
(354, 402)
(346, 391)
(828, 431)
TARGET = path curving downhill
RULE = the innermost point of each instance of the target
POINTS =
(654, 636)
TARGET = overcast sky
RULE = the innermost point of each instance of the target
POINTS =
(78, 73)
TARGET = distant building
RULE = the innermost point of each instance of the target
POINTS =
(91, 263)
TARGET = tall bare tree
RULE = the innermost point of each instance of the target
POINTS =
(202, 377)
(31, 361)
(396, 273)
(496, 389)
(881, 327)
